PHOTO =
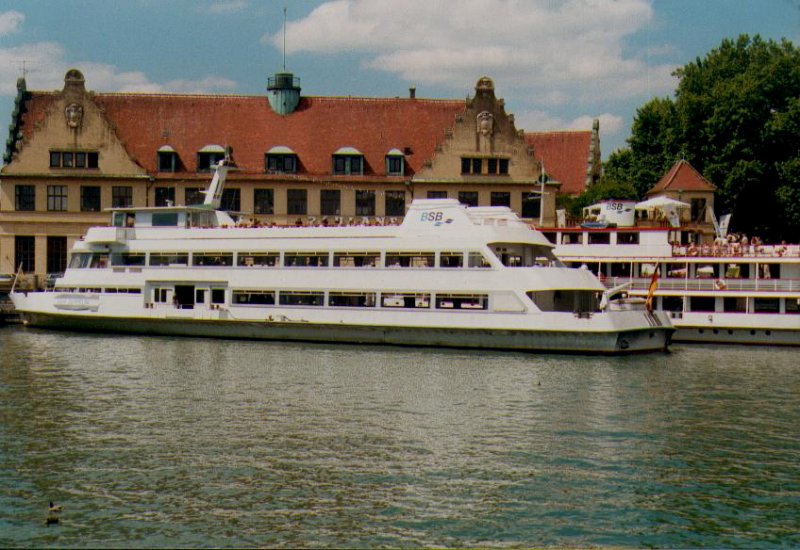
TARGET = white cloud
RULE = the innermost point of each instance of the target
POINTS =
(541, 121)
(46, 63)
(10, 21)
(554, 50)
(227, 7)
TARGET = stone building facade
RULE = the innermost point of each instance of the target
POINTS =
(74, 153)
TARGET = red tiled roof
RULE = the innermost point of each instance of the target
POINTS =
(319, 127)
(565, 155)
(682, 176)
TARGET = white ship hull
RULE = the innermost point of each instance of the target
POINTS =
(629, 332)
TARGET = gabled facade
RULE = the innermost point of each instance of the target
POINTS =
(301, 160)
(684, 183)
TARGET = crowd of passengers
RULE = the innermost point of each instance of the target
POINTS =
(736, 245)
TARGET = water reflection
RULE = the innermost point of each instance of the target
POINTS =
(193, 442)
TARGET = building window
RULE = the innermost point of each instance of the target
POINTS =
(296, 202)
(470, 198)
(57, 198)
(231, 199)
(395, 165)
(25, 253)
(497, 166)
(90, 198)
(192, 196)
(531, 205)
(24, 197)
(437, 194)
(395, 203)
(121, 196)
(348, 165)
(500, 198)
(165, 196)
(281, 164)
(263, 201)
(698, 210)
(365, 203)
(74, 159)
(167, 161)
(330, 201)
(56, 254)
(471, 165)
(206, 160)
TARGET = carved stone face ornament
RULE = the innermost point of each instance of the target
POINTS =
(74, 115)
(485, 123)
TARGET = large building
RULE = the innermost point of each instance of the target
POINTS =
(301, 160)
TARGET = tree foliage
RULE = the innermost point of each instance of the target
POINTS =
(736, 119)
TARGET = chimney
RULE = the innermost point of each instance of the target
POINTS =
(412, 92)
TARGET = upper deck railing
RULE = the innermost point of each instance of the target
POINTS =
(708, 284)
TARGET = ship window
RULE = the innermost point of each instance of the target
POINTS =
(356, 259)
(628, 237)
(263, 259)
(571, 238)
(672, 303)
(99, 261)
(410, 259)
(515, 255)
(406, 300)
(567, 300)
(80, 261)
(217, 295)
(701, 303)
(766, 305)
(351, 299)
(793, 305)
(462, 301)
(169, 258)
(305, 259)
(212, 259)
(160, 295)
(254, 297)
(128, 258)
(599, 238)
(476, 259)
(165, 219)
(734, 305)
(451, 259)
(294, 298)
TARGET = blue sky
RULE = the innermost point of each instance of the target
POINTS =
(557, 64)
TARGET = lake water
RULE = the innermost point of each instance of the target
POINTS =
(198, 442)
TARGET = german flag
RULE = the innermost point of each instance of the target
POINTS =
(651, 290)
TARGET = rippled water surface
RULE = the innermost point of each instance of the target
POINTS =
(195, 442)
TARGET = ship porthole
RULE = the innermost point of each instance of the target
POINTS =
(730, 332)
(752, 333)
(716, 331)
(623, 344)
(768, 332)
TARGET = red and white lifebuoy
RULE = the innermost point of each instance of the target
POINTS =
(719, 284)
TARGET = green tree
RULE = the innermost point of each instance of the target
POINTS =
(736, 119)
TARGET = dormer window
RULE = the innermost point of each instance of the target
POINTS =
(348, 161)
(280, 160)
(395, 163)
(209, 156)
(167, 159)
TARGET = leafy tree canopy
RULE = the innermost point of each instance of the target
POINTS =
(736, 119)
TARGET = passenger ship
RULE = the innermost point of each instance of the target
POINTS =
(447, 276)
(723, 293)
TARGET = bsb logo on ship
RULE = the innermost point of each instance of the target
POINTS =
(436, 218)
